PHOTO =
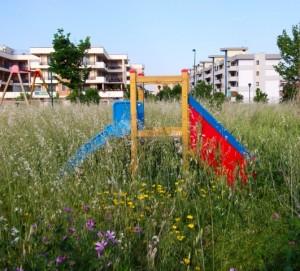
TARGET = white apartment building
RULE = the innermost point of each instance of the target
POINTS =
(109, 72)
(244, 73)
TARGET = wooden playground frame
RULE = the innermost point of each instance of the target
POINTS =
(137, 94)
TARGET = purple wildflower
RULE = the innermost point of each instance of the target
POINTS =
(232, 269)
(34, 226)
(60, 259)
(71, 230)
(86, 208)
(137, 229)
(19, 269)
(111, 236)
(67, 209)
(100, 247)
(90, 224)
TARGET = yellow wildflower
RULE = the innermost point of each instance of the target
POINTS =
(191, 226)
(180, 237)
(190, 217)
(174, 227)
(186, 261)
(141, 197)
(177, 219)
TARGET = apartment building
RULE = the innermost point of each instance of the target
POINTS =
(8, 58)
(109, 72)
(245, 72)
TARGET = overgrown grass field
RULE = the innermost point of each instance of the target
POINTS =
(101, 219)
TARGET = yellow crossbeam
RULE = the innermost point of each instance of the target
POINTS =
(159, 79)
(165, 131)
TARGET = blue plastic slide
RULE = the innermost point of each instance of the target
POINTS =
(120, 128)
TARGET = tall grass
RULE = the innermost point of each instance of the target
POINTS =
(165, 219)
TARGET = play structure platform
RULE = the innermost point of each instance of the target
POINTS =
(202, 135)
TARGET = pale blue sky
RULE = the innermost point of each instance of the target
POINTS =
(159, 33)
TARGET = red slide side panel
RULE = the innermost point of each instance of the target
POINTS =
(215, 149)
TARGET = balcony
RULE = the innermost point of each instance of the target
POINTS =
(114, 68)
(233, 68)
(100, 65)
(96, 80)
(114, 80)
(233, 78)
(111, 94)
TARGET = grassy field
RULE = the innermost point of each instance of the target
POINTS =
(101, 219)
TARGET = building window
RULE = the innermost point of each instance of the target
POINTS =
(257, 73)
(257, 62)
(257, 84)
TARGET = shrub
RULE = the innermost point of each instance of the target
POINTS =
(260, 97)
(239, 97)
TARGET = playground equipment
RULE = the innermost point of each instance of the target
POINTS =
(38, 74)
(202, 135)
(15, 70)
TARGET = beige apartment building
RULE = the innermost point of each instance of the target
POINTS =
(109, 72)
(245, 72)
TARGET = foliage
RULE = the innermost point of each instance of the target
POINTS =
(260, 96)
(167, 93)
(203, 90)
(289, 67)
(100, 218)
(289, 92)
(21, 97)
(67, 60)
(217, 99)
(239, 97)
(89, 96)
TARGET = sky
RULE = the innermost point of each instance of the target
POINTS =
(160, 34)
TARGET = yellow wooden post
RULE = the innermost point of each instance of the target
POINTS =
(133, 114)
(141, 95)
(185, 117)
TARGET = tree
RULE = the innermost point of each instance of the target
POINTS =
(260, 96)
(203, 90)
(289, 67)
(67, 60)
(239, 97)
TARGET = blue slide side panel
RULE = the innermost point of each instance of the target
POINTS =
(218, 126)
(120, 130)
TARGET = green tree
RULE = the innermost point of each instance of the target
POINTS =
(239, 97)
(260, 96)
(289, 67)
(67, 60)
(203, 90)
(165, 93)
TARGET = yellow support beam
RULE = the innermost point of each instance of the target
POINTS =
(133, 115)
(164, 131)
(159, 79)
(185, 117)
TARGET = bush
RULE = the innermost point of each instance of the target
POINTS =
(22, 97)
(203, 90)
(91, 96)
(239, 97)
(168, 93)
(217, 99)
(260, 97)
(289, 93)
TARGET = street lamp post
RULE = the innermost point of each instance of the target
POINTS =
(51, 85)
(194, 50)
(225, 50)
(249, 85)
